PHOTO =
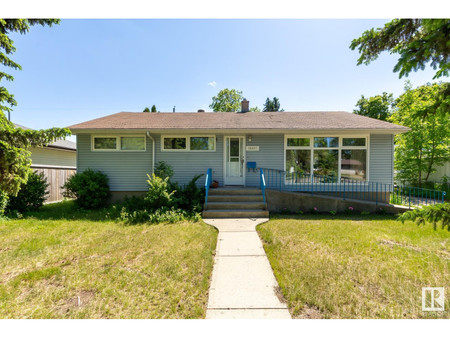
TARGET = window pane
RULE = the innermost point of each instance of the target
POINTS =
(326, 142)
(354, 142)
(202, 143)
(326, 162)
(105, 143)
(234, 147)
(132, 143)
(353, 164)
(298, 142)
(174, 143)
(298, 165)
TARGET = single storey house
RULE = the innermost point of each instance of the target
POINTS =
(234, 145)
(58, 161)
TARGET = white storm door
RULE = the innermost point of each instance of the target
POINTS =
(234, 160)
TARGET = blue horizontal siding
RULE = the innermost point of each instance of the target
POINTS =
(127, 171)
(270, 155)
(187, 164)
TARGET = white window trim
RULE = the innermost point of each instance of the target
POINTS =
(339, 148)
(188, 143)
(118, 141)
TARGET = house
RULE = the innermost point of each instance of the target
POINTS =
(58, 161)
(126, 146)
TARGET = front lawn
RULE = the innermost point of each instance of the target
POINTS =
(62, 263)
(356, 266)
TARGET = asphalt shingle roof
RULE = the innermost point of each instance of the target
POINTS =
(318, 120)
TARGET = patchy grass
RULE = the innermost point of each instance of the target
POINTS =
(64, 263)
(356, 266)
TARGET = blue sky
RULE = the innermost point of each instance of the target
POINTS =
(84, 69)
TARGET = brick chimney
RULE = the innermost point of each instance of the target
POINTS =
(245, 106)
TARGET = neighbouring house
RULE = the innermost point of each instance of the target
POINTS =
(58, 161)
(126, 146)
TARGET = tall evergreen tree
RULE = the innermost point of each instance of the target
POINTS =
(272, 105)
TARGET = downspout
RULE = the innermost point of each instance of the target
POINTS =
(153, 151)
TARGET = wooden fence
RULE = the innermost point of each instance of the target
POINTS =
(56, 177)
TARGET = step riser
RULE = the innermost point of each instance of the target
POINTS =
(234, 192)
(231, 206)
(241, 198)
(235, 214)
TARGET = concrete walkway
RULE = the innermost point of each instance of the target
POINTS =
(243, 284)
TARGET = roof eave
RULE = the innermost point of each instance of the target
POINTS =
(76, 131)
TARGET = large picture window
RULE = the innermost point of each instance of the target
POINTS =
(188, 143)
(333, 157)
(118, 143)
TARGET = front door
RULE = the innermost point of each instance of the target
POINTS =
(234, 160)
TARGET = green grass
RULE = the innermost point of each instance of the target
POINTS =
(356, 266)
(64, 263)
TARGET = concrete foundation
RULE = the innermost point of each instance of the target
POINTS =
(293, 201)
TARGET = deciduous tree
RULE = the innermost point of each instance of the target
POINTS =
(377, 107)
(227, 100)
(426, 146)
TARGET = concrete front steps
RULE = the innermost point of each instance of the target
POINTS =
(235, 202)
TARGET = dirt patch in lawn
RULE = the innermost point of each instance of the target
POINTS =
(309, 312)
(80, 300)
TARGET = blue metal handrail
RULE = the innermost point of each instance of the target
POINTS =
(350, 188)
(208, 182)
(262, 184)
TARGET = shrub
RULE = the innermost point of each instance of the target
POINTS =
(31, 195)
(333, 212)
(285, 211)
(163, 215)
(163, 170)
(349, 210)
(314, 210)
(191, 197)
(3, 202)
(431, 213)
(89, 188)
(365, 213)
(159, 193)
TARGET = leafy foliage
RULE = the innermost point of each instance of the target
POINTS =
(159, 192)
(14, 142)
(377, 107)
(153, 109)
(272, 105)
(417, 41)
(3, 202)
(163, 170)
(419, 151)
(227, 100)
(89, 188)
(438, 213)
(15, 159)
(146, 110)
(31, 195)
(191, 197)
(162, 215)
(255, 109)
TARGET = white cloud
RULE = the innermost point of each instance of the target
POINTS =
(212, 84)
